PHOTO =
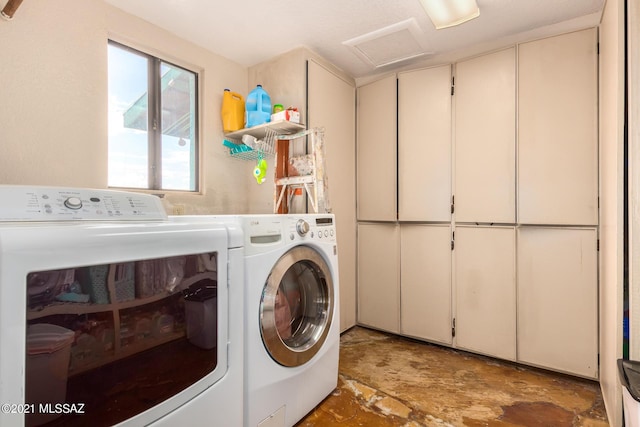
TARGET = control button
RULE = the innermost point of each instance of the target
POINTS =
(326, 233)
(331, 232)
(302, 227)
(94, 199)
(319, 234)
(292, 236)
(73, 203)
(312, 235)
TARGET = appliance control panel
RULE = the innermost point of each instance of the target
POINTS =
(319, 228)
(31, 203)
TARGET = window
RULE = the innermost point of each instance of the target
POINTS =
(153, 122)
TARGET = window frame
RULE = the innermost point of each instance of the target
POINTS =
(154, 121)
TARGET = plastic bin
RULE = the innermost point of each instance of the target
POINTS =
(48, 354)
(629, 371)
(201, 306)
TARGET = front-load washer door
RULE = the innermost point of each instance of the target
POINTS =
(297, 306)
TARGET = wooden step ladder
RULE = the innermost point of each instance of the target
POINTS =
(299, 175)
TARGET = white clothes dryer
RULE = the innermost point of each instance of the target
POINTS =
(112, 314)
(292, 322)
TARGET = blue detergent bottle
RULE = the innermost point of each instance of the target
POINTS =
(258, 107)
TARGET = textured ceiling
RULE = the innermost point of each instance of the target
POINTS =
(251, 31)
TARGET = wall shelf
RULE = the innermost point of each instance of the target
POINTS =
(266, 133)
(281, 127)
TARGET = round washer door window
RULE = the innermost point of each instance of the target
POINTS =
(297, 306)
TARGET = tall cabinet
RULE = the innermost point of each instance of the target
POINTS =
(484, 203)
(480, 231)
(378, 256)
(424, 195)
(558, 203)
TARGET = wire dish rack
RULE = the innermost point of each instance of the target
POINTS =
(266, 135)
(263, 148)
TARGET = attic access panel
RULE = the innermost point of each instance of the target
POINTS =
(388, 45)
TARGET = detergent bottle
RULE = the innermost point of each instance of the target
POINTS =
(258, 107)
(232, 111)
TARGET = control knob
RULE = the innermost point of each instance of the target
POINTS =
(73, 203)
(302, 227)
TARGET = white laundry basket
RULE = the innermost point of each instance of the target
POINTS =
(48, 354)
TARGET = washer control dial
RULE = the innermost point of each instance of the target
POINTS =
(74, 203)
(302, 227)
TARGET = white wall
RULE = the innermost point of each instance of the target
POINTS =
(611, 197)
(53, 104)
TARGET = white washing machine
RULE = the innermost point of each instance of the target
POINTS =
(111, 314)
(291, 316)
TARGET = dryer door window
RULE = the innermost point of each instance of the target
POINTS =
(120, 338)
(297, 306)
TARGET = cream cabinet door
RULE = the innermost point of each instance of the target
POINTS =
(379, 276)
(557, 130)
(331, 103)
(425, 286)
(377, 151)
(558, 299)
(424, 145)
(485, 133)
(486, 290)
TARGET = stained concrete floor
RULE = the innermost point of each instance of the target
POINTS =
(386, 380)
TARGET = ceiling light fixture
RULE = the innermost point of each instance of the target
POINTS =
(447, 13)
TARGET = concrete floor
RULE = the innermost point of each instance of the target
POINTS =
(386, 380)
